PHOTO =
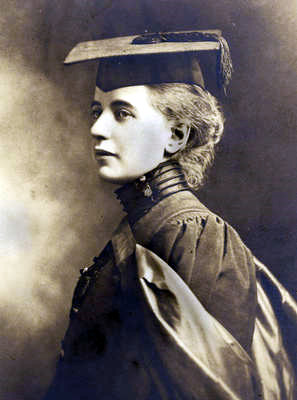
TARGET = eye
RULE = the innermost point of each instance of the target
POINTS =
(122, 114)
(95, 113)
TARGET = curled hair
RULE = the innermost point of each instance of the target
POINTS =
(196, 107)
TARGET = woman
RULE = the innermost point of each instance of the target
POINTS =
(169, 308)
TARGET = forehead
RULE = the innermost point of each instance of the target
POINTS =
(135, 95)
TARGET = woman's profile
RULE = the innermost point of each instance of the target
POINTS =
(172, 308)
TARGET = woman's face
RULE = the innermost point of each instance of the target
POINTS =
(130, 135)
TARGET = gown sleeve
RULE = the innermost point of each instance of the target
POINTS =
(186, 351)
(210, 257)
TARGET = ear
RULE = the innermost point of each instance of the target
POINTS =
(178, 139)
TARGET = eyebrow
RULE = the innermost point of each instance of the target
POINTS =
(114, 104)
(121, 103)
(96, 103)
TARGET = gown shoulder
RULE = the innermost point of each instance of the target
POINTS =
(209, 256)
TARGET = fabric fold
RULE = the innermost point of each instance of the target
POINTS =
(202, 359)
(200, 353)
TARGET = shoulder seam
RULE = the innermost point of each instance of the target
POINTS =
(169, 220)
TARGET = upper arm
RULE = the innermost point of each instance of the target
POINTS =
(177, 242)
(210, 257)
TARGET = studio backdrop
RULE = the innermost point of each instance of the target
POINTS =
(55, 214)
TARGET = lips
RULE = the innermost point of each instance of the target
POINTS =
(100, 153)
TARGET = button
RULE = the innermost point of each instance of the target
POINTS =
(84, 270)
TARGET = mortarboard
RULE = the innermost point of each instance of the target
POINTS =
(192, 57)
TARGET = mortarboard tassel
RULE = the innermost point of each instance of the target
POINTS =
(224, 65)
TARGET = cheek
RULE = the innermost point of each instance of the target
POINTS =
(138, 141)
(157, 131)
(157, 138)
(151, 145)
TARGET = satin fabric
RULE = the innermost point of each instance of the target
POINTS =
(268, 349)
(202, 359)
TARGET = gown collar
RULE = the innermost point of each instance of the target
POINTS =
(138, 197)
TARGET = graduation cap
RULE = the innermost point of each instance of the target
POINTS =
(195, 57)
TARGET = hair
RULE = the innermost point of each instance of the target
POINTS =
(196, 107)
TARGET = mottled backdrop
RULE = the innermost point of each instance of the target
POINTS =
(55, 214)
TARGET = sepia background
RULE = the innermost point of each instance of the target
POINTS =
(55, 214)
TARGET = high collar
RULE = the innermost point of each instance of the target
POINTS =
(140, 196)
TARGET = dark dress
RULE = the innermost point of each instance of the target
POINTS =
(109, 350)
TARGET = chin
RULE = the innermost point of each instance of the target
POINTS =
(115, 179)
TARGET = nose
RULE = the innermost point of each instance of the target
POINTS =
(101, 129)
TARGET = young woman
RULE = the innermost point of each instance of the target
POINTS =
(170, 308)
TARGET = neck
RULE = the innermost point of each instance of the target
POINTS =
(140, 196)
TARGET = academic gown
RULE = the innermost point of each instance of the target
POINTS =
(170, 308)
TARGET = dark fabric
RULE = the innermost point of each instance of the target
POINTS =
(209, 255)
(195, 347)
(150, 69)
(137, 198)
(107, 352)
(188, 345)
